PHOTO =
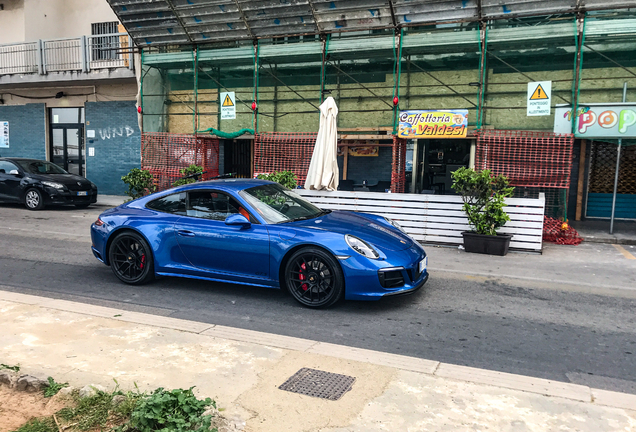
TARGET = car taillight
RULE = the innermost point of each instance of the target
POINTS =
(99, 222)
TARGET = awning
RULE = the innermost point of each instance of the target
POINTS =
(174, 22)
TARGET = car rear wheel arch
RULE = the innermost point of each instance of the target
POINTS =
(118, 231)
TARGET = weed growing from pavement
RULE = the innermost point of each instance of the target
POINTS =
(99, 410)
(170, 410)
(89, 411)
(15, 368)
(53, 387)
(176, 410)
(46, 424)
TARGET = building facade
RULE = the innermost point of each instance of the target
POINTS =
(380, 60)
(68, 88)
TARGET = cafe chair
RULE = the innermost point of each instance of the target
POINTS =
(382, 186)
(346, 185)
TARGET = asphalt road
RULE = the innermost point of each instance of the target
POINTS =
(499, 324)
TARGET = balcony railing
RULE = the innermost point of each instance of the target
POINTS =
(83, 53)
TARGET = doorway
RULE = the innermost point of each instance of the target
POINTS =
(437, 159)
(238, 157)
(67, 139)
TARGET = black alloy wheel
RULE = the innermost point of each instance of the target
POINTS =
(130, 259)
(314, 278)
(33, 199)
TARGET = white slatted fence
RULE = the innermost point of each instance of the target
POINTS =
(437, 218)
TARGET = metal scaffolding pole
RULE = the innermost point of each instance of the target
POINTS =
(618, 162)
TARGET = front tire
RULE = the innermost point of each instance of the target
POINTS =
(130, 258)
(314, 278)
(33, 199)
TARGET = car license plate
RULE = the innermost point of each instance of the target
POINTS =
(423, 264)
(84, 193)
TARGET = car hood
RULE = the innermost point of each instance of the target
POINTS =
(359, 225)
(65, 179)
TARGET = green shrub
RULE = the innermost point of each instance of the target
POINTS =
(285, 178)
(140, 182)
(192, 169)
(170, 410)
(483, 195)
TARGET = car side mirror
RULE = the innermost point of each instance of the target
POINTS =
(14, 172)
(237, 219)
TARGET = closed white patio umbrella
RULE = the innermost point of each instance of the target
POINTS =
(323, 170)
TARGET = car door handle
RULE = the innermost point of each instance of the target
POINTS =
(185, 233)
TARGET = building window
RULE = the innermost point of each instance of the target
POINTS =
(105, 48)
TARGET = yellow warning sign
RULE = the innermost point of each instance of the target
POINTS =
(539, 93)
(228, 102)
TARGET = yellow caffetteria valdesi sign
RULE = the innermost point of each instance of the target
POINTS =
(433, 124)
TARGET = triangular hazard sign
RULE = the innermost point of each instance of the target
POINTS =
(228, 101)
(539, 93)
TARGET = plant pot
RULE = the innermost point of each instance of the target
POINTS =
(486, 244)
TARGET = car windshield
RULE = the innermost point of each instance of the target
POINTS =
(277, 204)
(40, 167)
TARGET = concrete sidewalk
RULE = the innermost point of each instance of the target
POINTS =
(597, 231)
(241, 370)
(110, 200)
(588, 267)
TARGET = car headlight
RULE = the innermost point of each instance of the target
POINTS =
(53, 185)
(362, 247)
(93, 185)
(395, 224)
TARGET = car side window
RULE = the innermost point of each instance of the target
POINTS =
(211, 205)
(175, 204)
(6, 167)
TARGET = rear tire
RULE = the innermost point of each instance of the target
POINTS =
(33, 199)
(130, 258)
(314, 278)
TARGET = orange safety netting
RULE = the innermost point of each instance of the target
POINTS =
(164, 154)
(292, 151)
(557, 231)
(531, 159)
(284, 151)
(398, 172)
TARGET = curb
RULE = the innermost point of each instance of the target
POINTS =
(609, 240)
(522, 383)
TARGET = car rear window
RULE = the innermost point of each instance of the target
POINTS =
(174, 204)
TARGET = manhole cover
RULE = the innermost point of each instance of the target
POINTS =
(313, 382)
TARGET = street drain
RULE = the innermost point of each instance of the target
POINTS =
(317, 383)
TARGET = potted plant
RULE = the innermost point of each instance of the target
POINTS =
(285, 178)
(483, 195)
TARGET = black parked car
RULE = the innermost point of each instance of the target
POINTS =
(37, 183)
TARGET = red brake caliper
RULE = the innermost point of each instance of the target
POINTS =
(304, 286)
(143, 261)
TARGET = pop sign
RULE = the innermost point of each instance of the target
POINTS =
(598, 121)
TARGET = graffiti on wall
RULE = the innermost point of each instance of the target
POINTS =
(114, 132)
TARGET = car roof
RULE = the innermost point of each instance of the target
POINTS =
(21, 159)
(234, 184)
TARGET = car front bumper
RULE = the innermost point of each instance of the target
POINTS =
(362, 280)
(57, 197)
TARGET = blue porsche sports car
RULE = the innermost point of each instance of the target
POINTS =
(259, 233)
